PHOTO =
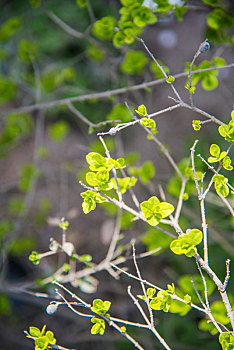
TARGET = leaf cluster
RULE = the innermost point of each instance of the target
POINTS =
(186, 243)
(41, 338)
(154, 210)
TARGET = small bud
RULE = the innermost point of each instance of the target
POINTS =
(112, 131)
(205, 46)
(51, 308)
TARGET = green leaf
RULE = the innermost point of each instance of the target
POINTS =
(124, 183)
(95, 53)
(58, 131)
(35, 3)
(119, 163)
(196, 125)
(154, 211)
(227, 131)
(178, 307)
(35, 258)
(5, 305)
(27, 51)
(50, 337)
(6, 227)
(119, 39)
(195, 236)
(186, 287)
(7, 89)
(162, 301)
(170, 79)
(16, 127)
(163, 6)
(98, 163)
(215, 150)
(149, 123)
(64, 225)
(165, 209)
(41, 343)
(100, 307)
(22, 245)
(171, 288)
(28, 174)
(98, 327)
(104, 28)
(191, 252)
(134, 62)
(213, 3)
(15, 206)
(9, 28)
(179, 11)
(146, 172)
(88, 205)
(119, 112)
(227, 163)
(90, 200)
(34, 332)
(187, 298)
(217, 19)
(218, 61)
(66, 267)
(97, 179)
(142, 111)
(185, 244)
(154, 239)
(226, 340)
(157, 71)
(150, 210)
(156, 304)
(209, 82)
(85, 258)
(150, 292)
(82, 3)
(176, 247)
(142, 16)
(220, 183)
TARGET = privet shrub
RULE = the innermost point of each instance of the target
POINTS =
(112, 182)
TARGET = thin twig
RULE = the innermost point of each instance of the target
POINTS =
(153, 330)
(214, 171)
(130, 210)
(79, 115)
(115, 238)
(174, 296)
(142, 284)
(198, 294)
(180, 200)
(111, 321)
(159, 143)
(114, 92)
(113, 169)
(206, 306)
(219, 285)
(205, 286)
(225, 283)
(160, 67)
(202, 205)
(226, 202)
(199, 51)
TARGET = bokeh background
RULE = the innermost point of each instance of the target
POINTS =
(56, 142)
